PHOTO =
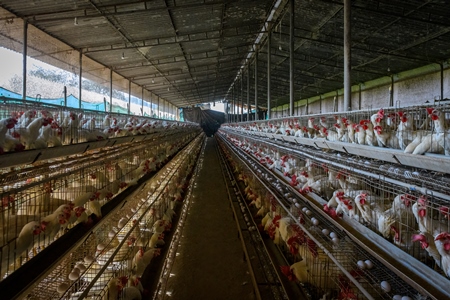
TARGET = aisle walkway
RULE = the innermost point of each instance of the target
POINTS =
(210, 263)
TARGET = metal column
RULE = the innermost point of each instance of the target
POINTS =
(129, 96)
(110, 89)
(391, 92)
(65, 97)
(442, 80)
(24, 59)
(256, 84)
(233, 104)
(151, 106)
(80, 79)
(159, 111)
(248, 93)
(242, 99)
(142, 106)
(269, 62)
(291, 61)
(359, 96)
(347, 56)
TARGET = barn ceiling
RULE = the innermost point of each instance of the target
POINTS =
(190, 52)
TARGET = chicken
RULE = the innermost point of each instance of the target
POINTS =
(142, 259)
(29, 134)
(5, 124)
(26, 118)
(433, 142)
(113, 288)
(85, 197)
(385, 138)
(136, 282)
(157, 239)
(405, 130)
(159, 226)
(427, 243)
(297, 271)
(442, 241)
(441, 129)
(360, 134)
(426, 223)
(99, 179)
(370, 138)
(131, 293)
(22, 244)
(70, 132)
(94, 207)
(50, 225)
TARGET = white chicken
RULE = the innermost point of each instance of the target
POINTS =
(85, 197)
(142, 259)
(156, 240)
(426, 223)
(427, 242)
(297, 271)
(442, 241)
(29, 134)
(5, 124)
(22, 244)
(50, 226)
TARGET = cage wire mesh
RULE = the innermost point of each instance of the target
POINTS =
(50, 191)
(383, 195)
(108, 258)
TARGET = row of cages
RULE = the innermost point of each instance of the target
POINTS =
(111, 261)
(411, 224)
(414, 129)
(43, 201)
(30, 125)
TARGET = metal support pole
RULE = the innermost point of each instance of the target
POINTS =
(159, 112)
(142, 103)
(391, 92)
(269, 62)
(442, 80)
(24, 60)
(151, 106)
(320, 103)
(65, 97)
(248, 94)
(347, 55)
(233, 106)
(242, 99)
(110, 89)
(80, 79)
(291, 56)
(129, 96)
(307, 106)
(256, 84)
(360, 97)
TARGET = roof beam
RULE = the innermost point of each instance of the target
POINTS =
(170, 40)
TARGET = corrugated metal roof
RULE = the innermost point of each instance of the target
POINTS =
(189, 51)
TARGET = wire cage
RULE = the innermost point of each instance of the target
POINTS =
(394, 201)
(43, 201)
(413, 129)
(109, 261)
(30, 125)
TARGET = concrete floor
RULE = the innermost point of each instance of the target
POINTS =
(210, 263)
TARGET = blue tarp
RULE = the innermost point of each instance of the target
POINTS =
(72, 101)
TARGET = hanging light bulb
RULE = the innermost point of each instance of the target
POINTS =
(75, 21)
(153, 80)
(123, 55)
